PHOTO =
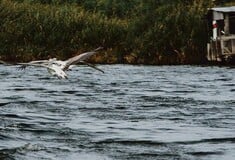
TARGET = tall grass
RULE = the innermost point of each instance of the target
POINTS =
(133, 31)
(171, 33)
(36, 30)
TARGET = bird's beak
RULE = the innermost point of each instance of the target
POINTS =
(99, 48)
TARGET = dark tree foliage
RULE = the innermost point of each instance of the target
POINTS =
(146, 29)
(221, 2)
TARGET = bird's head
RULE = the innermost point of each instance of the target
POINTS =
(52, 59)
(99, 48)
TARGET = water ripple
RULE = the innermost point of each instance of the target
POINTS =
(130, 112)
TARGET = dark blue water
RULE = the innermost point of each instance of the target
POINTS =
(130, 112)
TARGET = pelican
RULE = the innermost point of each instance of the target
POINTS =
(70, 63)
(58, 67)
(52, 69)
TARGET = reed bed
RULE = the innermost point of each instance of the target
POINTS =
(30, 31)
(137, 31)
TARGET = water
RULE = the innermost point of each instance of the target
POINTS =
(130, 112)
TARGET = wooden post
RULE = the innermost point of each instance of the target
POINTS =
(208, 52)
(233, 45)
(226, 24)
(222, 46)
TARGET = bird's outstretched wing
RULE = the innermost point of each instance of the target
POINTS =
(2, 62)
(24, 65)
(80, 58)
(38, 63)
(57, 71)
(92, 66)
(5, 63)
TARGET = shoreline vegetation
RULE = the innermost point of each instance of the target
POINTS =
(152, 32)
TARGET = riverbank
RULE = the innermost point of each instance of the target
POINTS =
(135, 32)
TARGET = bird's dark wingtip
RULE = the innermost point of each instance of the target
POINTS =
(21, 68)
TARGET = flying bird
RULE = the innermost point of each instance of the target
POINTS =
(58, 67)
(52, 69)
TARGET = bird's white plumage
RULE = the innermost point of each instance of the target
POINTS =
(58, 67)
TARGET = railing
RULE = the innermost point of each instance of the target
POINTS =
(221, 49)
(214, 51)
(227, 45)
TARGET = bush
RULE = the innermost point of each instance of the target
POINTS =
(146, 30)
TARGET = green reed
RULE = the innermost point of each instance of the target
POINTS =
(133, 31)
(38, 30)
